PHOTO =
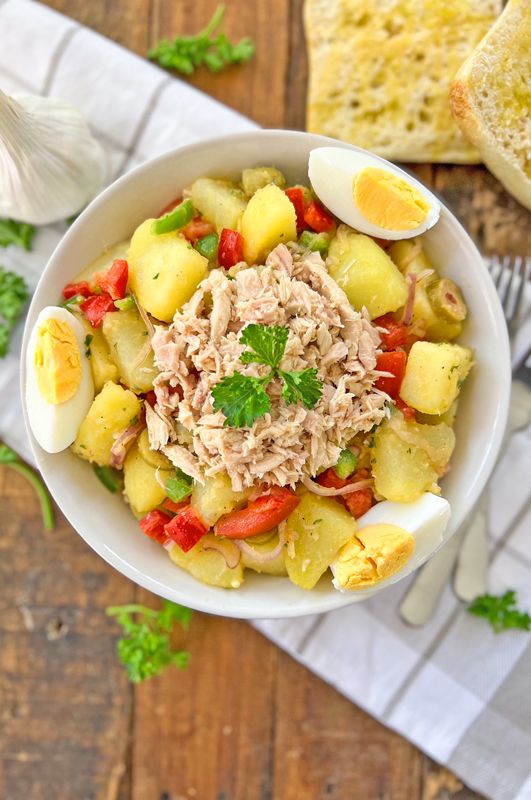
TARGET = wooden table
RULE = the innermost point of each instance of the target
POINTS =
(245, 722)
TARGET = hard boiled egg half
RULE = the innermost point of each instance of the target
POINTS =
(370, 194)
(392, 540)
(59, 385)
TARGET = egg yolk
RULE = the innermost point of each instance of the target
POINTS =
(388, 201)
(374, 554)
(57, 361)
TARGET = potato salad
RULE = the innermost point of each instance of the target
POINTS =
(270, 386)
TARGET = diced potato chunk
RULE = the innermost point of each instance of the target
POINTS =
(209, 566)
(164, 270)
(365, 273)
(277, 566)
(434, 419)
(142, 489)
(318, 527)
(215, 498)
(220, 202)
(408, 458)
(402, 472)
(152, 457)
(257, 177)
(103, 367)
(111, 412)
(434, 375)
(127, 338)
(268, 220)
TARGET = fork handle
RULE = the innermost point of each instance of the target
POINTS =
(470, 578)
(422, 598)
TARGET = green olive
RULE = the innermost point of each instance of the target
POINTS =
(447, 300)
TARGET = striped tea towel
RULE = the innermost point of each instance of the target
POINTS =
(458, 691)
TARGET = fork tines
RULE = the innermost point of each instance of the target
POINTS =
(510, 275)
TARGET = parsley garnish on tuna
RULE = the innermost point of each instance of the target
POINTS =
(243, 398)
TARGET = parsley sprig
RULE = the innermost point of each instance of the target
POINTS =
(13, 296)
(145, 650)
(501, 611)
(17, 233)
(243, 398)
(210, 47)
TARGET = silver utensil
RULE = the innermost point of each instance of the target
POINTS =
(510, 277)
(469, 544)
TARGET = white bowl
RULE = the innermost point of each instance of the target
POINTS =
(106, 523)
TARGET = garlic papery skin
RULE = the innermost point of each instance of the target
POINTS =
(50, 164)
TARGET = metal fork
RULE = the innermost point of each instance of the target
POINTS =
(469, 546)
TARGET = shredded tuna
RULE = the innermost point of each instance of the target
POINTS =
(202, 346)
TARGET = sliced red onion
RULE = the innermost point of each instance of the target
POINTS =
(408, 308)
(232, 557)
(124, 441)
(145, 319)
(325, 491)
(263, 558)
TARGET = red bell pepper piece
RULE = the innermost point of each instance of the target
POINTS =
(197, 228)
(95, 308)
(358, 503)
(395, 363)
(185, 529)
(71, 289)
(230, 250)
(260, 516)
(318, 218)
(395, 334)
(331, 479)
(296, 195)
(153, 525)
(170, 505)
(151, 398)
(408, 412)
(114, 280)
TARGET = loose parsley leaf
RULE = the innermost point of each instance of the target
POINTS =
(302, 386)
(17, 233)
(11, 459)
(500, 611)
(146, 650)
(242, 399)
(268, 343)
(179, 486)
(185, 53)
(13, 296)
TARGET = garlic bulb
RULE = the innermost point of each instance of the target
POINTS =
(50, 164)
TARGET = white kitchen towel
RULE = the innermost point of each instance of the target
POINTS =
(454, 688)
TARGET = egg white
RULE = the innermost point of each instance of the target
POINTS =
(55, 425)
(426, 519)
(332, 171)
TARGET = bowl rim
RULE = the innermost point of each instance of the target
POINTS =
(331, 600)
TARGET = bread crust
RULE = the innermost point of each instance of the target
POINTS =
(465, 105)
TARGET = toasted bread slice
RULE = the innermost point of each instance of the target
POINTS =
(491, 99)
(380, 73)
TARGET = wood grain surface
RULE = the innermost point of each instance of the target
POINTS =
(245, 722)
